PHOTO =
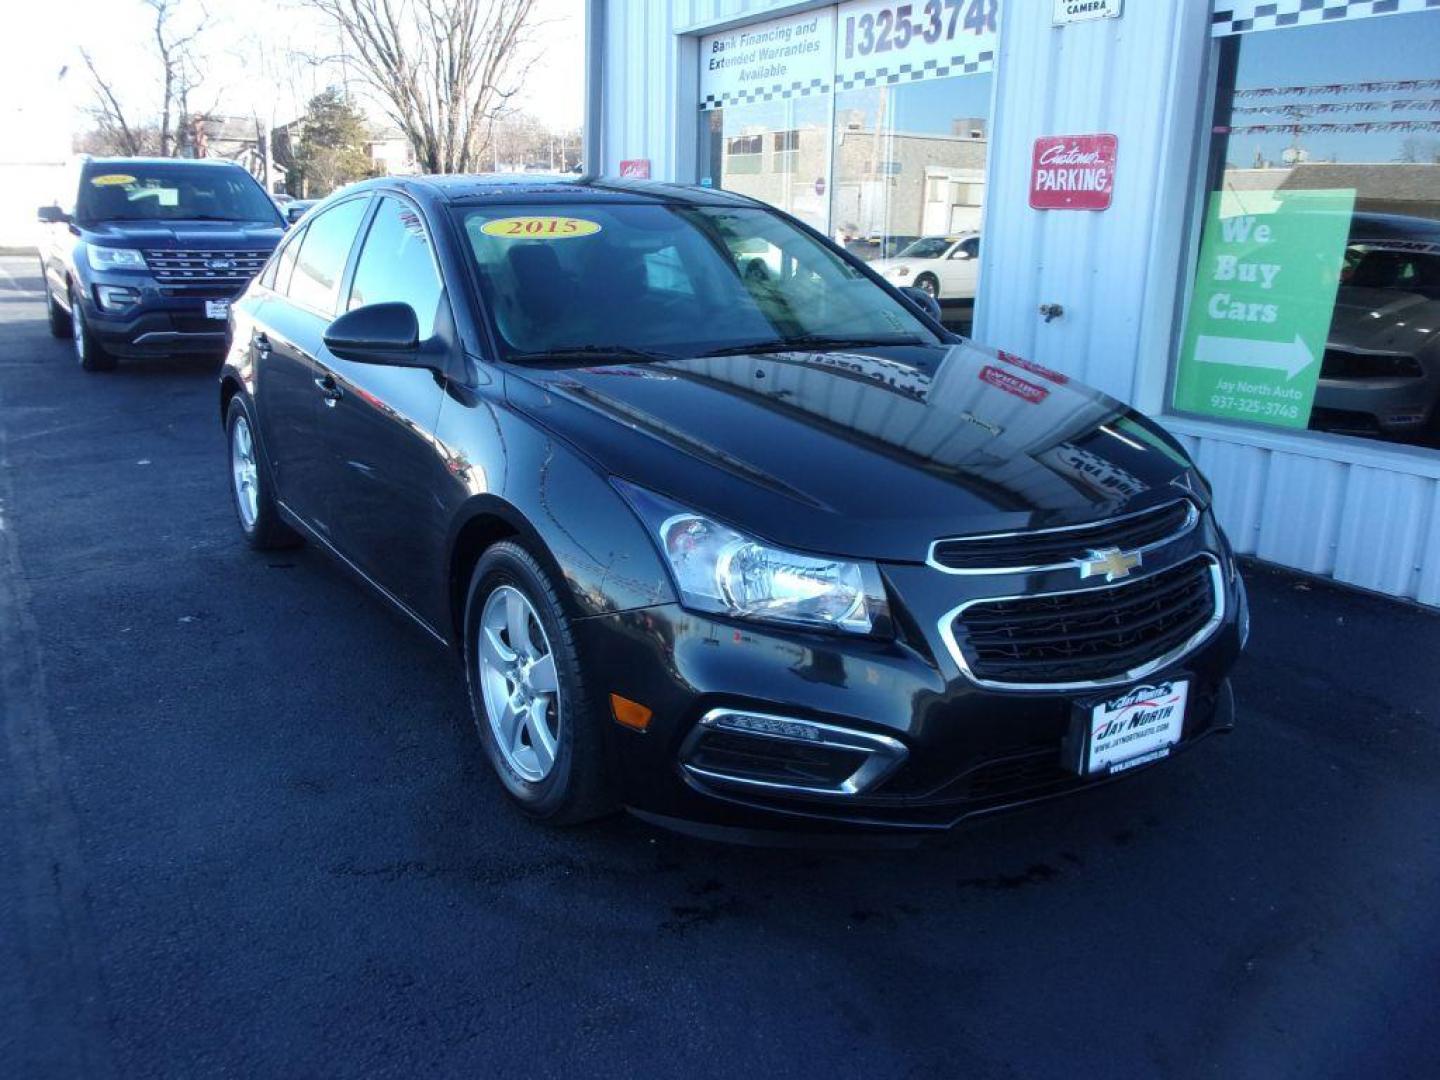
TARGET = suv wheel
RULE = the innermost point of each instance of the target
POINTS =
(250, 483)
(89, 352)
(536, 721)
(58, 317)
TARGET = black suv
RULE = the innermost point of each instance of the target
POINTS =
(747, 550)
(146, 254)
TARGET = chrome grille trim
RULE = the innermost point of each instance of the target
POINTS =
(175, 266)
(1140, 671)
(1192, 518)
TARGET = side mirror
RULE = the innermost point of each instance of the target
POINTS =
(923, 300)
(294, 213)
(961, 253)
(52, 215)
(378, 334)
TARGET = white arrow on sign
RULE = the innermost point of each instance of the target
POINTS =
(1291, 357)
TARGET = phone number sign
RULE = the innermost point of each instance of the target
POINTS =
(880, 41)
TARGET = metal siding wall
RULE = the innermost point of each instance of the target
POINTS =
(1141, 77)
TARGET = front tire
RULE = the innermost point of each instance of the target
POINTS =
(260, 519)
(539, 728)
(929, 283)
(88, 351)
(58, 318)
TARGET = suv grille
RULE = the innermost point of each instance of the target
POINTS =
(1092, 636)
(1050, 548)
(232, 268)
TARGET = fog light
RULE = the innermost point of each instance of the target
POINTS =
(115, 297)
(629, 713)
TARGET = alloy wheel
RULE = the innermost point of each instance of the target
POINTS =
(518, 683)
(243, 471)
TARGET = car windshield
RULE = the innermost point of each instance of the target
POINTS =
(928, 247)
(165, 191)
(671, 279)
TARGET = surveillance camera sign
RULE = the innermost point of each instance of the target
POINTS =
(1264, 292)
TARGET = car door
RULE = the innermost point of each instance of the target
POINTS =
(960, 269)
(382, 464)
(290, 386)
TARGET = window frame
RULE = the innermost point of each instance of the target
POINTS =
(347, 266)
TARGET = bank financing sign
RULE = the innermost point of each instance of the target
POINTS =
(768, 61)
(1260, 313)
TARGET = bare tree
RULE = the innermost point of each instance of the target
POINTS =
(176, 48)
(442, 69)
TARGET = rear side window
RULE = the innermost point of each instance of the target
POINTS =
(284, 264)
(395, 265)
(324, 249)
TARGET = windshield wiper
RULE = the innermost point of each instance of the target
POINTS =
(594, 352)
(813, 341)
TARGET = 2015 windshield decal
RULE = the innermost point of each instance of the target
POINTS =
(540, 228)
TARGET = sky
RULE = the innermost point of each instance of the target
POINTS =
(40, 110)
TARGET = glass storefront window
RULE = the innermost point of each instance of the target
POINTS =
(909, 191)
(1316, 301)
(868, 120)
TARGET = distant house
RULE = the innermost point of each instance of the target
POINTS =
(390, 152)
(238, 139)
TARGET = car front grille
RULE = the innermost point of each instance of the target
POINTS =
(1051, 548)
(1344, 364)
(1097, 636)
(205, 267)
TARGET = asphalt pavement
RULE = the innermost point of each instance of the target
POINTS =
(246, 830)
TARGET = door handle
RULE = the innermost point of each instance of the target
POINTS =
(328, 390)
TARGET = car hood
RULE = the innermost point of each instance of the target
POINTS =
(870, 453)
(1383, 320)
(184, 235)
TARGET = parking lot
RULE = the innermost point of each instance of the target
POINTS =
(248, 830)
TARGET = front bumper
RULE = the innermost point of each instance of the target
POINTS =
(1390, 405)
(162, 321)
(945, 748)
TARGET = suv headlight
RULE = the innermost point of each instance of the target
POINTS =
(720, 570)
(107, 258)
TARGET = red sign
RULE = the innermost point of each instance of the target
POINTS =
(1032, 367)
(1073, 172)
(635, 169)
(1013, 384)
(819, 185)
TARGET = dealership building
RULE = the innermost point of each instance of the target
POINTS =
(1225, 213)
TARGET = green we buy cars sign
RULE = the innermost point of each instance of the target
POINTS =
(1264, 293)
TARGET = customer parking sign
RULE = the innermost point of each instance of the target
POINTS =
(1264, 293)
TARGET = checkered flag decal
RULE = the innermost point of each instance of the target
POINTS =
(1240, 17)
(930, 69)
(773, 92)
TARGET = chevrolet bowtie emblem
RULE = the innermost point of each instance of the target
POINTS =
(1112, 562)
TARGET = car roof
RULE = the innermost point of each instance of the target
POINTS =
(539, 189)
(204, 162)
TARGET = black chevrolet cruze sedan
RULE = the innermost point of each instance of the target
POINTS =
(727, 530)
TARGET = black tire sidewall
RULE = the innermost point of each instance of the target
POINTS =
(96, 358)
(573, 789)
(269, 530)
(934, 289)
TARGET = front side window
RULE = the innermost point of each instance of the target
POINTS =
(1316, 297)
(323, 252)
(171, 191)
(396, 265)
(679, 280)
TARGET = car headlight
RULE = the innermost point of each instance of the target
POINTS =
(719, 570)
(106, 258)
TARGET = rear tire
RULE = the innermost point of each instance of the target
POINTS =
(88, 351)
(566, 780)
(250, 488)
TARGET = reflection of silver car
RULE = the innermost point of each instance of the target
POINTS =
(1381, 371)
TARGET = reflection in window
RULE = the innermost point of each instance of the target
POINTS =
(776, 151)
(910, 168)
(1348, 110)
